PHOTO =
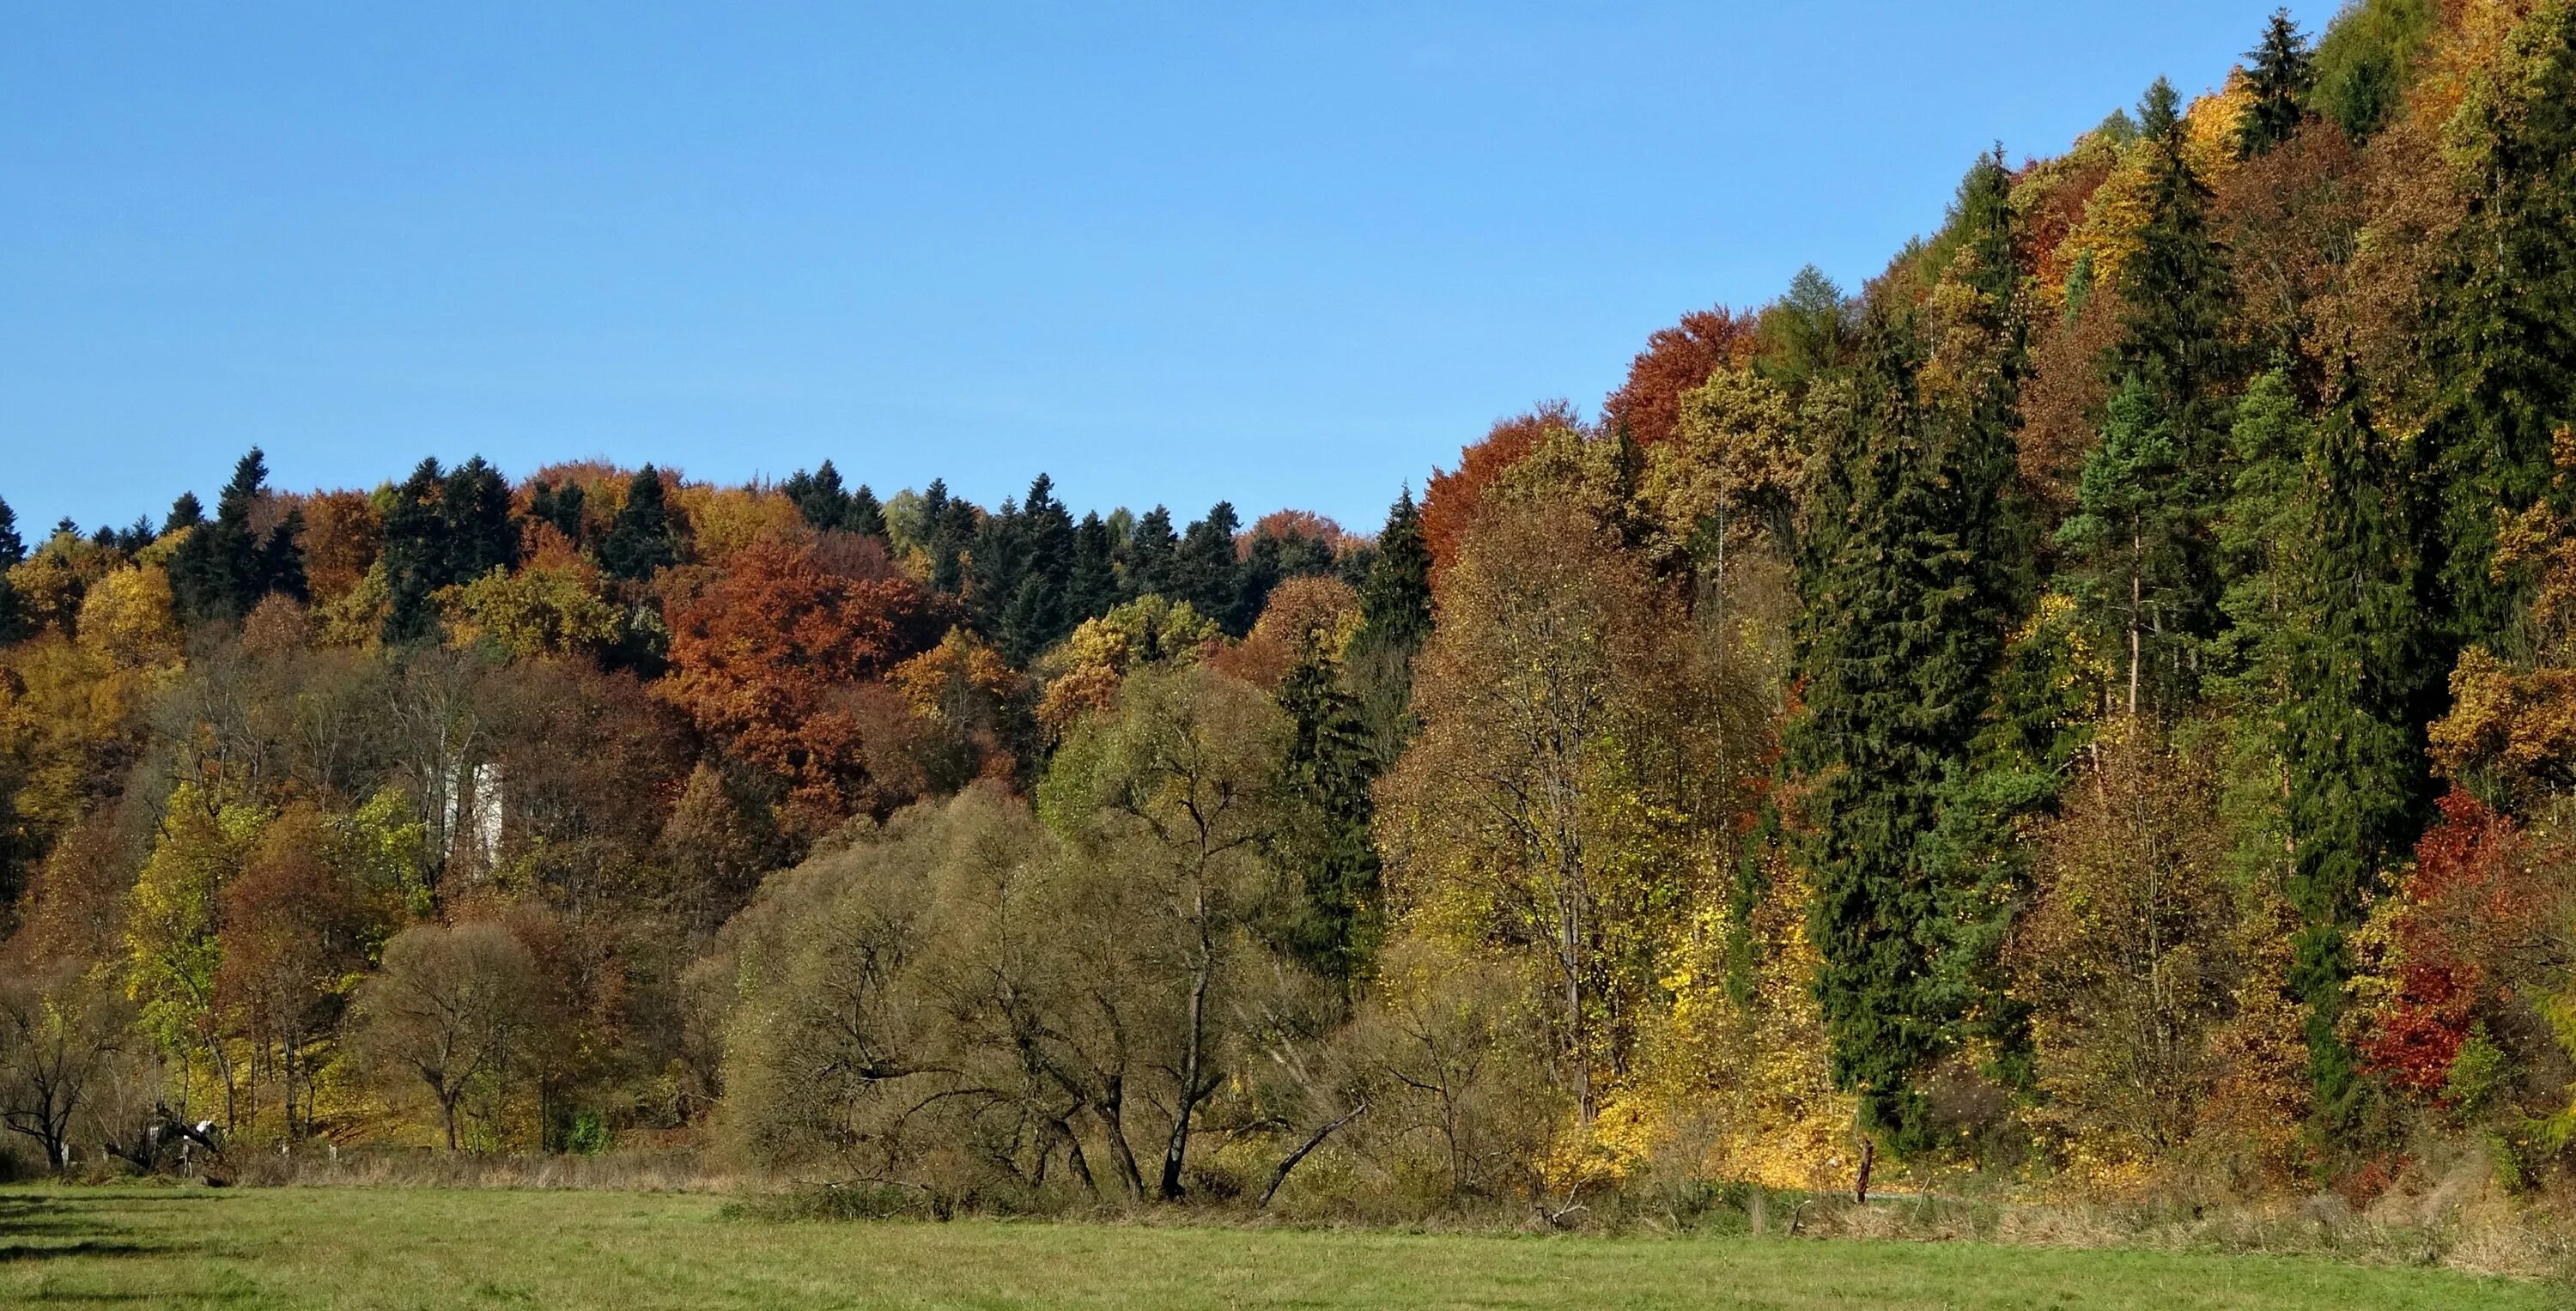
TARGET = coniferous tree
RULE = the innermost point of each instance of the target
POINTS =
(1325, 840)
(185, 512)
(415, 554)
(2131, 551)
(1206, 573)
(480, 536)
(2504, 343)
(13, 551)
(949, 523)
(559, 506)
(1975, 853)
(1395, 603)
(1148, 557)
(2149, 493)
(819, 498)
(641, 539)
(2278, 72)
(1898, 648)
(866, 516)
(2356, 765)
(224, 567)
(1091, 585)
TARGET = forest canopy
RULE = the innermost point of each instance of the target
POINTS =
(2094, 705)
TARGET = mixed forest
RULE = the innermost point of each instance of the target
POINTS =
(2093, 708)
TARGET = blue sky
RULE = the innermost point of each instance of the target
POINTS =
(1286, 254)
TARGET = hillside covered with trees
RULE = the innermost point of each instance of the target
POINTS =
(2094, 707)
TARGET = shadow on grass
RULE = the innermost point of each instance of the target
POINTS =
(51, 1228)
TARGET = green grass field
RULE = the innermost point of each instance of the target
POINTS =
(347, 1247)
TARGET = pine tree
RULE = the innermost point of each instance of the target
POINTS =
(2278, 72)
(1325, 839)
(640, 539)
(2357, 779)
(2177, 298)
(185, 512)
(1898, 649)
(2264, 520)
(13, 548)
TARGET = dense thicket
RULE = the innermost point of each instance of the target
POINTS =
(2097, 706)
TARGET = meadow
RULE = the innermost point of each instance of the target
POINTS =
(429, 1247)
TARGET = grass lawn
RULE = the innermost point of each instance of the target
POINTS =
(346, 1247)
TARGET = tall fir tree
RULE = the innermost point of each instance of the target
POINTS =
(415, 554)
(2278, 72)
(13, 551)
(1091, 585)
(1147, 557)
(866, 516)
(2149, 495)
(1207, 574)
(2503, 348)
(481, 535)
(820, 499)
(224, 567)
(641, 538)
(1898, 648)
(2356, 765)
(1324, 840)
(1395, 602)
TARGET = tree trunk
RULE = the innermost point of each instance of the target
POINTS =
(1177, 1149)
(1280, 1175)
(1868, 1158)
(1108, 1111)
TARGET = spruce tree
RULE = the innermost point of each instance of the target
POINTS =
(1148, 558)
(2131, 547)
(415, 554)
(1206, 573)
(949, 524)
(560, 506)
(13, 551)
(2504, 344)
(223, 568)
(1091, 586)
(2278, 72)
(1324, 840)
(480, 534)
(2145, 562)
(1395, 603)
(185, 512)
(2357, 781)
(819, 498)
(640, 539)
(866, 516)
(1898, 648)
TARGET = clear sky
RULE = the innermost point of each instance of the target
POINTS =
(1289, 254)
